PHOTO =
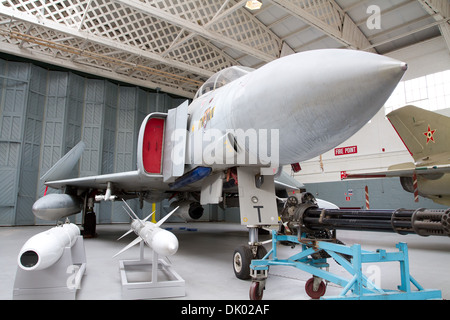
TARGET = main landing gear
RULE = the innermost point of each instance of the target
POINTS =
(89, 219)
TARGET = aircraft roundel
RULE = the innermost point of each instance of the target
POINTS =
(430, 134)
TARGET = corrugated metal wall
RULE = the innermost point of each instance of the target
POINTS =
(44, 113)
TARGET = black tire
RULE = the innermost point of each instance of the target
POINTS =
(262, 251)
(242, 259)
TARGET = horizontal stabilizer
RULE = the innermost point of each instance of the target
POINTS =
(135, 242)
(64, 166)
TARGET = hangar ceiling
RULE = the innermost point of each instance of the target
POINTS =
(176, 45)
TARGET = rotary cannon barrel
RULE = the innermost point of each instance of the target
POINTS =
(424, 222)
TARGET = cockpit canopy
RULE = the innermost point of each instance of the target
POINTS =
(222, 78)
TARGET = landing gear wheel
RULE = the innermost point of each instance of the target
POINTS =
(309, 288)
(242, 258)
(90, 225)
(262, 251)
(256, 290)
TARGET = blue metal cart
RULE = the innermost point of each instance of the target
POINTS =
(358, 287)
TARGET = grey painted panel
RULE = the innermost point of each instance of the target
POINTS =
(176, 120)
(43, 114)
(108, 143)
(126, 123)
(7, 214)
(29, 169)
(109, 128)
(8, 187)
(125, 154)
(92, 128)
(53, 130)
(13, 102)
(75, 104)
(9, 175)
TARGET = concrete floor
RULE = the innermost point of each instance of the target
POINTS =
(204, 261)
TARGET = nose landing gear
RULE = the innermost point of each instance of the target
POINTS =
(242, 258)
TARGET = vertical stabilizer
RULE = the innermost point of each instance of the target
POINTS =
(64, 166)
(423, 132)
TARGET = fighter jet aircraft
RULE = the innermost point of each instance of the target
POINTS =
(426, 135)
(239, 131)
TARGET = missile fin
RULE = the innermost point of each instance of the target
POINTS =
(134, 242)
(160, 222)
(148, 216)
(134, 214)
(127, 212)
(126, 233)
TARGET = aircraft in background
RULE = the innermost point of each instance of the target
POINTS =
(426, 135)
(234, 138)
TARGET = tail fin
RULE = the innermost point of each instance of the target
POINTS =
(160, 222)
(424, 133)
(64, 166)
(133, 243)
(131, 210)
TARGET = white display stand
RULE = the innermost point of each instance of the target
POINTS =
(60, 281)
(139, 283)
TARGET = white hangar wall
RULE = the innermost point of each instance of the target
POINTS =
(375, 147)
(424, 58)
(44, 113)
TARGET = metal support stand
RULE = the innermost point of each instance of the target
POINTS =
(60, 281)
(138, 283)
(359, 287)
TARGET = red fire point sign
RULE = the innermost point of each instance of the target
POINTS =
(345, 150)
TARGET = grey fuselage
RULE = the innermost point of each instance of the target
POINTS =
(314, 100)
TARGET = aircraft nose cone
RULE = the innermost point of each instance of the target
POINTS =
(317, 99)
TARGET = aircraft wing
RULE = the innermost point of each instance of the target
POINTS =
(440, 168)
(285, 181)
(379, 174)
(133, 181)
(128, 181)
(402, 170)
